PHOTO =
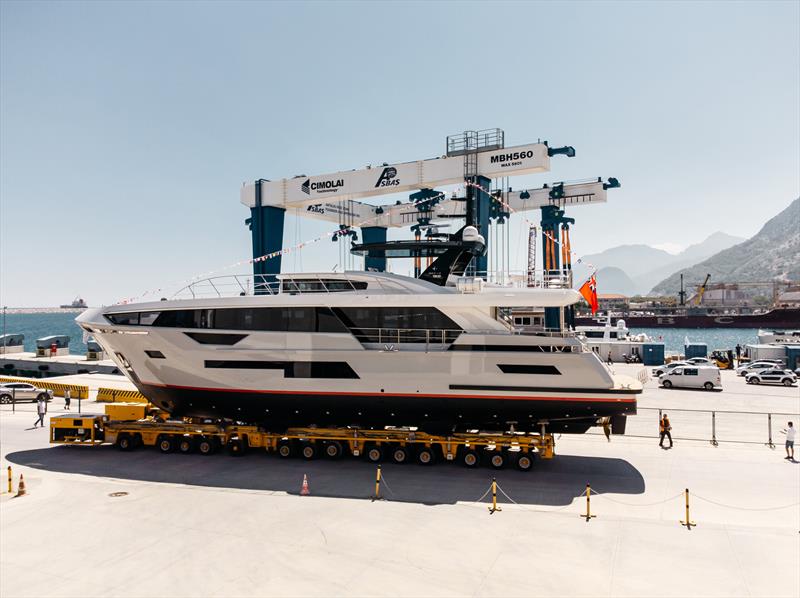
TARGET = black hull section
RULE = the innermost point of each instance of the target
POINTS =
(437, 414)
(777, 319)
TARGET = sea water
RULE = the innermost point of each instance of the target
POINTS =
(38, 325)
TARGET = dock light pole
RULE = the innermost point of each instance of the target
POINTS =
(4, 329)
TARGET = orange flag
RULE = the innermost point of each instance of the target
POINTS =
(589, 292)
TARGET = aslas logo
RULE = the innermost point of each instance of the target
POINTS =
(329, 186)
(317, 208)
(387, 178)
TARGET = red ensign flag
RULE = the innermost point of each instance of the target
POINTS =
(589, 292)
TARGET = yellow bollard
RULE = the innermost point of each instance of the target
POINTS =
(494, 506)
(10, 483)
(688, 523)
(588, 514)
(377, 485)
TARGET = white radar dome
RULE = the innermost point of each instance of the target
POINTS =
(620, 323)
(470, 234)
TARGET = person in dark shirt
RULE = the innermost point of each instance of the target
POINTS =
(664, 428)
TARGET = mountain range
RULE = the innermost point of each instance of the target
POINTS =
(772, 253)
(636, 269)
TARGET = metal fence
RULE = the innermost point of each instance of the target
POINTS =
(713, 426)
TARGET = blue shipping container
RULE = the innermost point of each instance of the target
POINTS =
(653, 353)
(696, 350)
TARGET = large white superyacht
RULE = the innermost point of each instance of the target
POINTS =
(363, 349)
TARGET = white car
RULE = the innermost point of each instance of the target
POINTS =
(22, 391)
(750, 368)
(773, 376)
(701, 361)
(657, 371)
(688, 376)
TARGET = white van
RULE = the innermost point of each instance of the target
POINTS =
(687, 376)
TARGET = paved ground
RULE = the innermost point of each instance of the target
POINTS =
(218, 526)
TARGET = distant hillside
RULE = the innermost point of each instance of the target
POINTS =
(644, 266)
(774, 252)
(614, 280)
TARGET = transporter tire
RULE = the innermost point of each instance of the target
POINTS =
(206, 446)
(334, 449)
(373, 453)
(166, 444)
(497, 460)
(524, 462)
(666, 384)
(308, 450)
(286, 449)
(708, 386)
(400, 455)
(125, 442)
(426, 456)
(185, 445)
(236, 447)
(470, 458)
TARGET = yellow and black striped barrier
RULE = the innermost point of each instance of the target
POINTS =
(115, 395)
(77, 391)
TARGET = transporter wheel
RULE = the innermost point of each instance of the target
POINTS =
(708, 386)
(470, 458)
(333, 449)
(787, 382)
(206, 446)
(373, 453)
(308, 450)
(666, 384)
(400, 454)
(524, 462)
(497, 460)
(125, 442)
(166, 444)
(286, 449)
(185, 445)
(425, 456)
(236, 447)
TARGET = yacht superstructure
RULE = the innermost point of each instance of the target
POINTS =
(365, 349)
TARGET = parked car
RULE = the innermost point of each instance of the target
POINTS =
(22, 391)
(657, 371)
(687, 376)
(701, 361)
(755, 366)
(776, 376)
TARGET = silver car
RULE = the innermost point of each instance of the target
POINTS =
(22, 391)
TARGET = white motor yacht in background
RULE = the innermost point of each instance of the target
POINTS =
(605, 339)
(362, 348)
(768, 337)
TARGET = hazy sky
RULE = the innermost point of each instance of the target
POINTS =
(127, 129)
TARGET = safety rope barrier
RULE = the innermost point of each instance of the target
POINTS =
(719, 504)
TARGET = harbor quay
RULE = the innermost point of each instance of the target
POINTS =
(98, 522)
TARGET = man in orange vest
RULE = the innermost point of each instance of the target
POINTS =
(664, 428)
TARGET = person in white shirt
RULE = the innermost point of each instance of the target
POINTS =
(41, 410)
(790, 432)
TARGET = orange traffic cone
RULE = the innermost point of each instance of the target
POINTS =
(304, 490)
(21, 487)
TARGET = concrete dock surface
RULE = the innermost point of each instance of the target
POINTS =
(188, 525)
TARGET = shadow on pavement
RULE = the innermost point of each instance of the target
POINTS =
(556, 482)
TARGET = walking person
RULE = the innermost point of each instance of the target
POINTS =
(41, 410)
(609, 358)
(664, 428)
(67, 399)
(791, 433)
(738, 354)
